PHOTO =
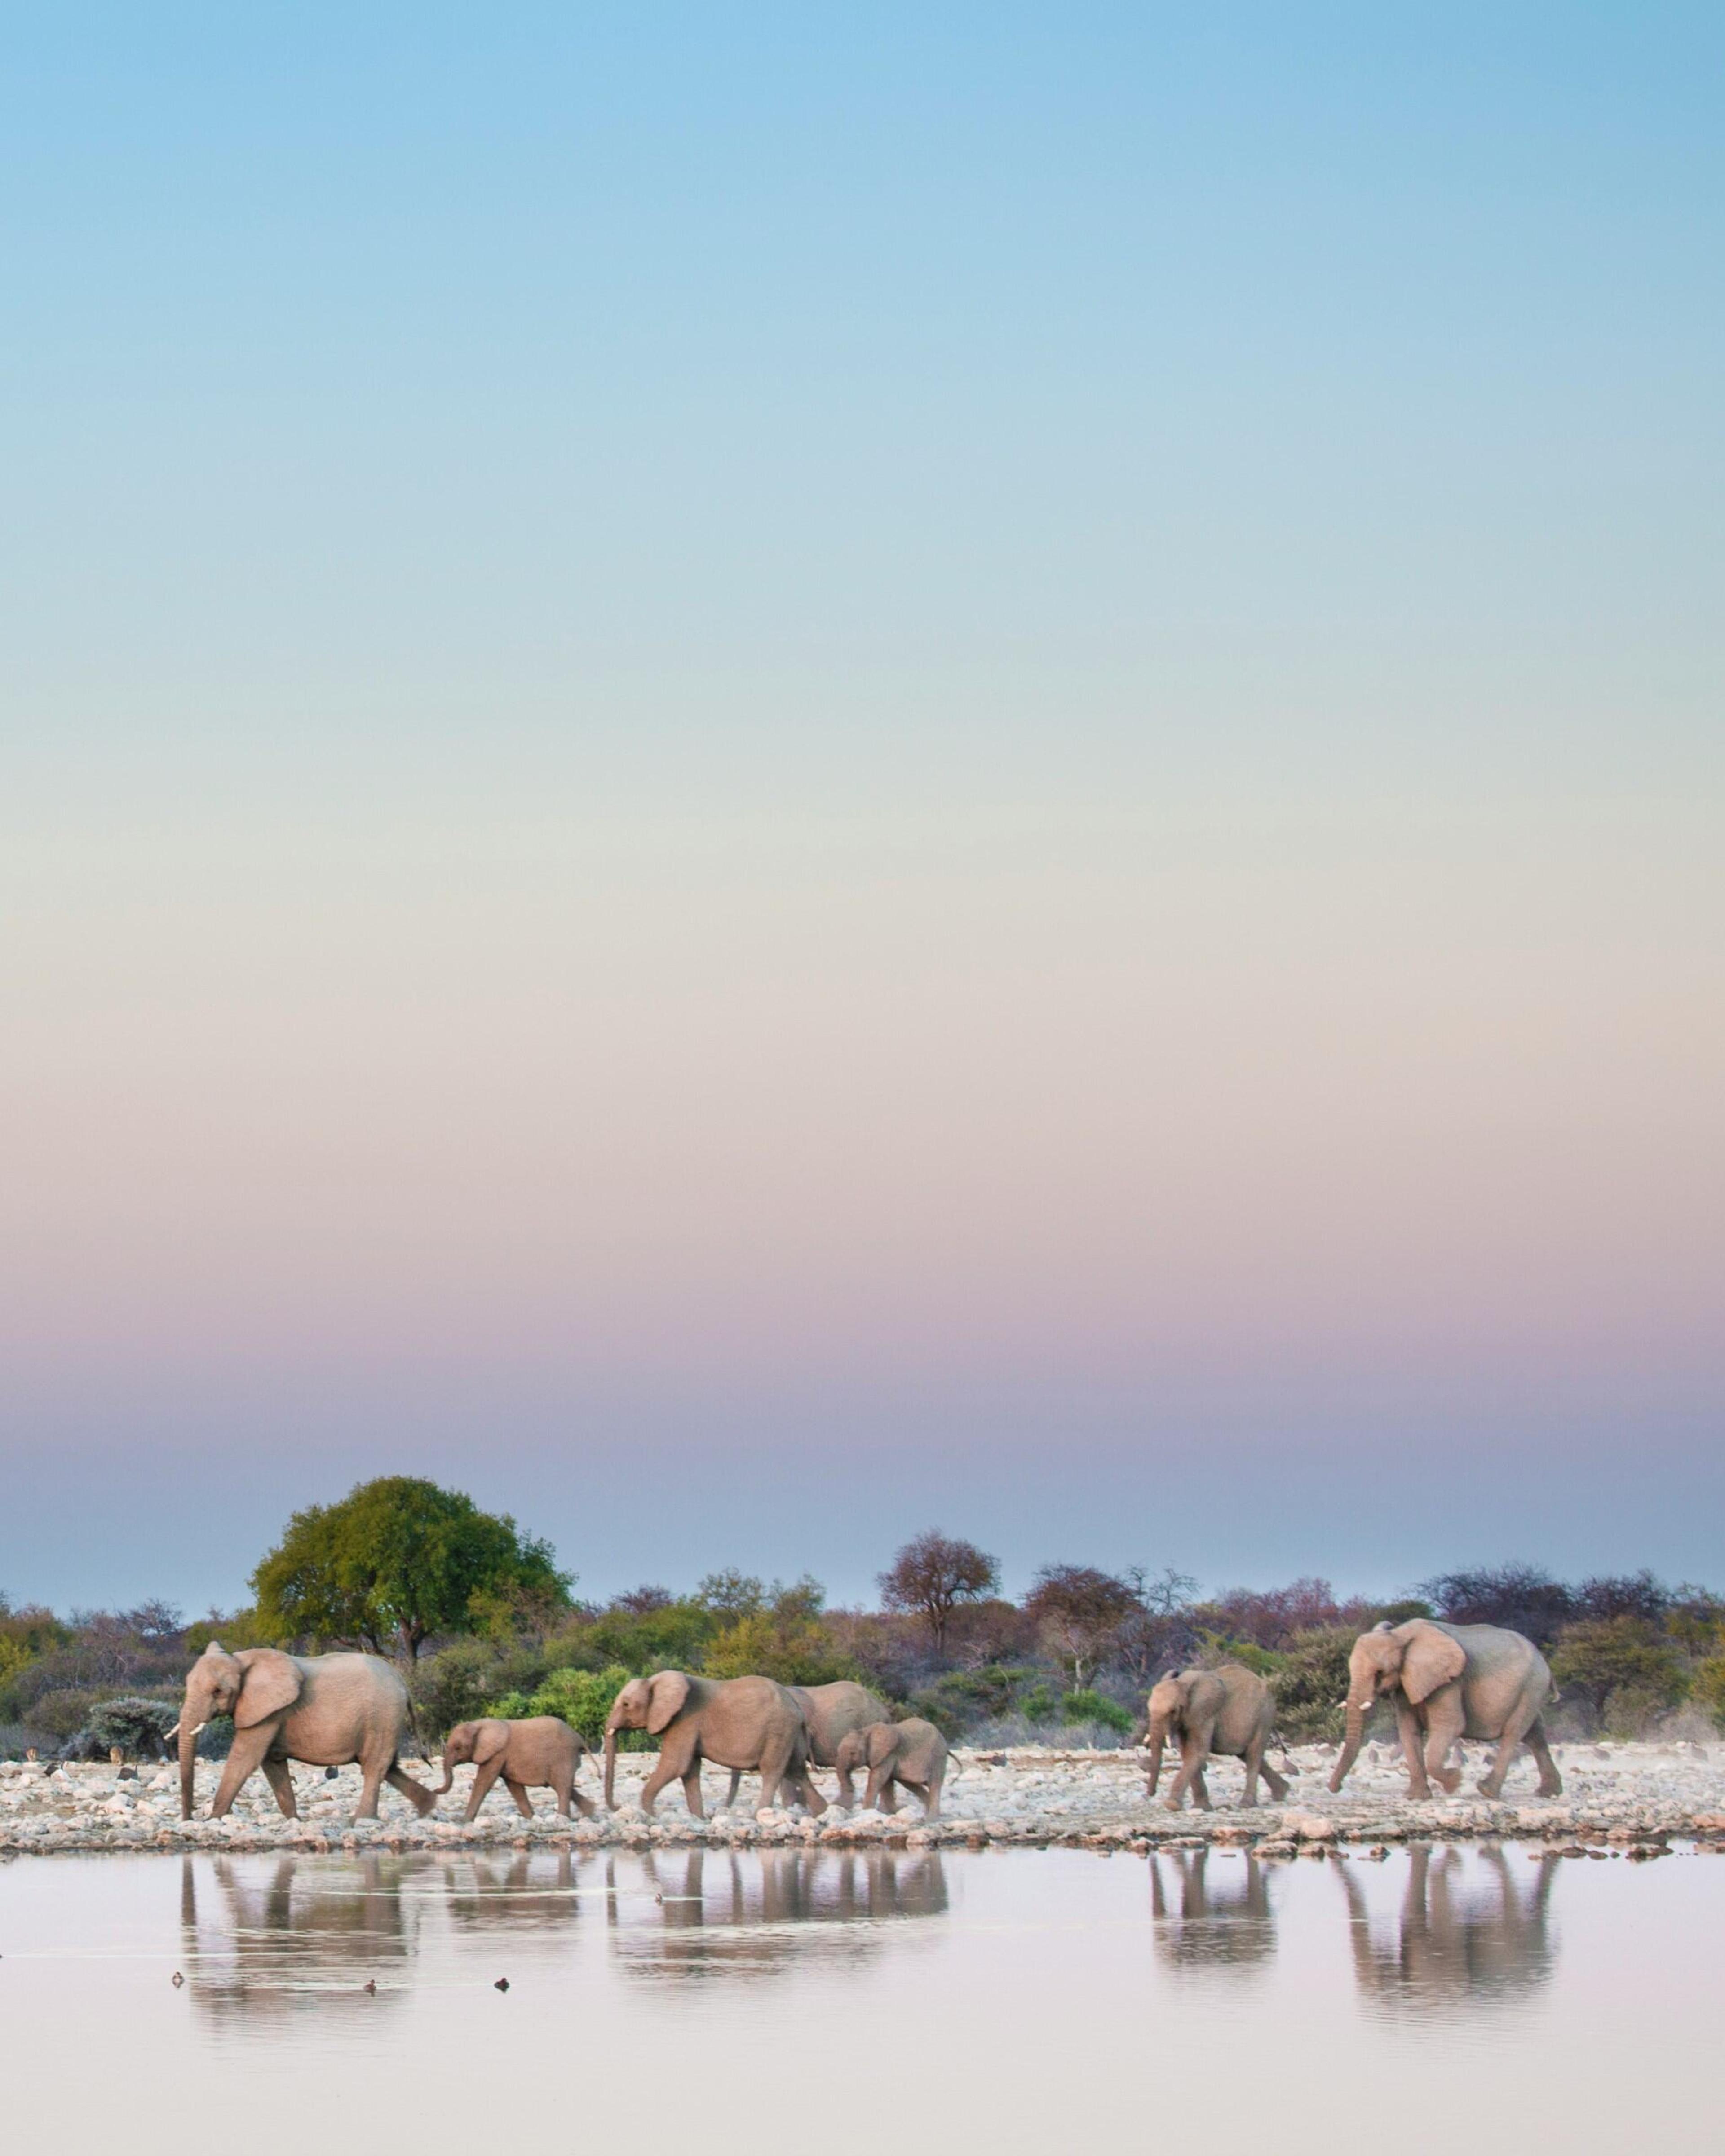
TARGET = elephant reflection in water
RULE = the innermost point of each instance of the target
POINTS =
(534, 1890)
(1465, 1928)
(1224, 1918)
(278, 1935)
(719, 1911)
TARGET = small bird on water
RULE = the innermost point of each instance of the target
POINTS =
(370, 1986)
(178, 1979)
(502, 1985)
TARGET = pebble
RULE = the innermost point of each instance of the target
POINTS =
(1639, 1795)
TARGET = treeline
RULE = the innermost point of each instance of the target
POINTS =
(482, 1620)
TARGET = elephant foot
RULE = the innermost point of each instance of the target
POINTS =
(1171, 1804)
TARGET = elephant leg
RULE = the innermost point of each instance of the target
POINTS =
(1182, 1780)
(484, 1777)
(1520, 1720)
(1249, 1760)
(276, 1774)
(1277, 1787)
(1413, 1751)
(417, 1795)
(371, 1784)
(1443, 1727)
(691, 1791)
(1200, 1789)
(1551, 1782)
(523, 1802)
(847, 1788)
(243, 1760)
(930, 1802)
(675, 1757)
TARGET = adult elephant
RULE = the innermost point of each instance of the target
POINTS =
(831, 1711)
(1228, 1711)
(325, 1710)
(1447, 1681)
(749, 1724)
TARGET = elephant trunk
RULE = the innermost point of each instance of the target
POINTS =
(610, 1767)
(1357, 1710)
(188, 1730)
(1155, 1739)
(448, 1782)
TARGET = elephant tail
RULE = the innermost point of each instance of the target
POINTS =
(414, 1724)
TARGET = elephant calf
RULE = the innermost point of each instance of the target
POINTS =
(911, 1752)
(538, 1754)
(1227, 1710)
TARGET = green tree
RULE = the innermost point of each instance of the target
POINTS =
(1623, 1667)
(396, 1561)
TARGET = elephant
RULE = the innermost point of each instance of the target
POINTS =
(325, 1710)
(832, 1712)
(1447, 1681)
(1452, 1942)
(912, 1752)
(537, 1754)
(749, 1723)
(1228, 1710)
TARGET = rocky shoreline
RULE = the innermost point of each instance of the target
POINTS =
(1633, 1798)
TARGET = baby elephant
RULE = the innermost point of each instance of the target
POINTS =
(912, 1754)
(542, 1753)
(1229, 1711)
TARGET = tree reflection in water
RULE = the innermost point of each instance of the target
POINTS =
(726, 1914)
(1212, 1909)
(1464, 1929)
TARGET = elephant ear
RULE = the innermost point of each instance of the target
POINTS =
(491, 1739)
(269, 1684)
(883, 1741)
(1433, 1659)
(665, 1695)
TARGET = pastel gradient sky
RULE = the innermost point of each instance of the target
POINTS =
(769, 774)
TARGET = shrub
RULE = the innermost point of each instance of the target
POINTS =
(1707, 1687)
(580, 1697)
(136, 1725)
(61, 1714)
(1087, 1705)
(790, 1649)
(1310, 1685)
(1523, 1597)
(1600, 1658)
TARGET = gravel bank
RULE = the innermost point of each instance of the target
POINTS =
(1619, 1794)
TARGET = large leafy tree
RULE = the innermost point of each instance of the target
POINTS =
(397, 1560)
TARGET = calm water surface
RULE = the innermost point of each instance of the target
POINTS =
(1012, 2001)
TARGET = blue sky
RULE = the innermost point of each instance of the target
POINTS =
(767, 776)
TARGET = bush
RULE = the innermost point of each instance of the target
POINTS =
(139, 1726)
(580, 1697)
(1087, 1705)
(1599, 1659)
(1707, 1687)
(790, 1649)
(61, 1714)
(1310, 1685)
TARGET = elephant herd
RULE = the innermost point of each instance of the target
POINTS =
(1443, 1681)
(335, 1710)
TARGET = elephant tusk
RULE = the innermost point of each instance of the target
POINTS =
(202, 1725)
(167, 1733)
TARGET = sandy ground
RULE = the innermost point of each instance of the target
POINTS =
(1627, 1794)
